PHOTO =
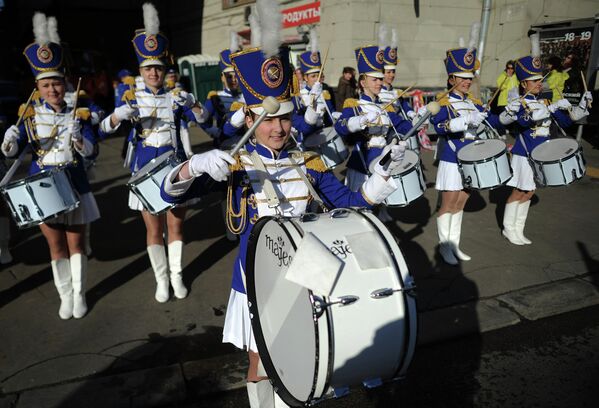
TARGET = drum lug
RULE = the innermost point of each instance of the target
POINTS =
(372, 383)
(319, 305)
(386, 292)
(339, 213)
(310, 216)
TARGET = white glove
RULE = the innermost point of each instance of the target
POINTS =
(74, 129)
(370, 117)
(476, 118)
(336, 115)
(214, 162)
(411, 114)
(505, 118)
(238, 118)
(12, 134)
(126, 112)
(416, 117)
(311, 116)
(540, 113)
(587, 98)
(315, 91)
(513, 107)
(563, 104)
(397, 154)
(185, 99)
(460, 123)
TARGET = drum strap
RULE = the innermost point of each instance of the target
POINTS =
(267, 186)
(524, 145)
(452, 145)
(311, 188)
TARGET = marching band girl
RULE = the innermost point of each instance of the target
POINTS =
(264, 160)
(156, 115)
(457, 121)
(58, 138)
(533, 117)
(366, 118)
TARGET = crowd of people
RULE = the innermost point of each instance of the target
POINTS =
(273, 173)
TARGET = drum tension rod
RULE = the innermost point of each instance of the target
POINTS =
(386, 292)
(320, 305)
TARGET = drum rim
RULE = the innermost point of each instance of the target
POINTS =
(501, 153)
(137, 175)
(574, 153)
(36, 176)
(34, 223)
(255, 317)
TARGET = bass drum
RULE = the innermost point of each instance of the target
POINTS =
(315, 346)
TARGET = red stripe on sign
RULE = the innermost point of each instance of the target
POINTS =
(306, 14)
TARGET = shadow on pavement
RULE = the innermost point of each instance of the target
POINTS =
(214, 253)
(591, 264)
(26, 285)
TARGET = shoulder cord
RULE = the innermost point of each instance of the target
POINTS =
(231, 214)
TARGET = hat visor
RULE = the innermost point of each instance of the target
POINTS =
(533, 78)
(285, 107)
(228, 69)
(390, 67)
(468, 75)
(150, 62)
(49, 74)
(312, 71)
(375, 74)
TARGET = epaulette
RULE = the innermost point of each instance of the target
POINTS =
(36, 99)
(235, 106)
(444, 101)
(211, 94)
(390, 108)
(26, 113)
(313, 161)
(128, 95)
(237, 166)
(129, 80)
(475, 100)
(350, 103)
(326, 95)
(83, 113)
(83, 94)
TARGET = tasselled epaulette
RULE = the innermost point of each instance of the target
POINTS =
(128, 96)
(350, 103)
(236, 105)
(314, 162)
(26, 113)
(326, 95)
(211, 94)
(83, 113)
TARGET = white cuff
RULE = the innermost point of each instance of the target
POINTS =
(311, 117)
(577, 113)
(106, 125)
(353, 124)
(87, 150)
(505, 118)
(376, 188)
(200, 117)
(10, 149)
(176, 188)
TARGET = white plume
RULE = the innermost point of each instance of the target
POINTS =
(53, 30)
(535, 46)
(151, 20)
(234, 45)
(383, 37)
(40, 29)
(461, 42)
(474, 33)
(254, 20)
(393, 38)
(313, 40)
(271, 21)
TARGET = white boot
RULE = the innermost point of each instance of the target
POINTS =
(158, 260)
(175, 255)
(88, 245)
(455, 230)
(521, 215)
(445, 246)
(262, 395)
(61, 271)
(79, 274)
(5, 256)
(509, 223)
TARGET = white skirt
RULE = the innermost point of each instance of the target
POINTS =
(238, 325)
(354, 179)
(448, 177)
(136, 204)
(84, 214)
(523, 177)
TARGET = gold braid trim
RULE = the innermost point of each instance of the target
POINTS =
(232, 216)
(238, 166)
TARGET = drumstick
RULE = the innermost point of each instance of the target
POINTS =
(530, 90)
(495, 95)
(76, 101)
(26, 106)
(270, 106)
(446, 92)
(586, 89)
(398, 96)
(324, 62)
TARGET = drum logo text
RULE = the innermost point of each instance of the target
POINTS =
(340, 249)
(278, 250)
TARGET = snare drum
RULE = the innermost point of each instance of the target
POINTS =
(315, 346)
(146, 182)
(558, 162)
(40, 197)
(408, 178)
(484, 164)
(329, 145)
(413, 143)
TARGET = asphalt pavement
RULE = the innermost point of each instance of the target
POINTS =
(130, 351)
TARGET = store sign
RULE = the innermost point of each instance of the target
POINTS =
(306, 14)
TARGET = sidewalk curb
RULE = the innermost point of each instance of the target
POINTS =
(174, 384)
